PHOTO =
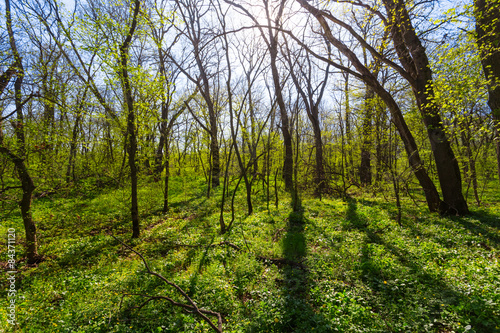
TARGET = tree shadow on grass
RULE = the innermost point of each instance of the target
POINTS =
(299, 314)
(404, 290)
(479, 222)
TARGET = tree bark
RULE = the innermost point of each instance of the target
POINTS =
(365, 171)
(307, 93)
(432, 196)
(131, 130)
(412, 55)
(18, 158)
(487, 13)
(285, 123)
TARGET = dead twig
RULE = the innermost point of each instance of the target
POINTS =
(282, 262)
(191, 306)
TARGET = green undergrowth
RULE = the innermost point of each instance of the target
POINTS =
(333, 266)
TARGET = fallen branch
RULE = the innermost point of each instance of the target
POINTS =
(234, 246)
(281, 262)
(175, 303)
(191, 306)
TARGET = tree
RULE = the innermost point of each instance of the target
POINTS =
(487, 13)
(274, 17)
(311, 90)
(202, 51)
(416, 71)
(131, 131)
(413, 56)
(18, 155)
(364, 74)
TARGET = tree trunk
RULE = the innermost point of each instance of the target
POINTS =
(365, 172)
(25, 205)
(70, 171)
(433, 201)
(285, 127)
(131, 131)
(487, 13)
(320, 178)
(285, 124)
(18, 159)
(167, 177)
(412, 55)
(349, 164)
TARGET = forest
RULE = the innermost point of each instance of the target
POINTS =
(250, 166)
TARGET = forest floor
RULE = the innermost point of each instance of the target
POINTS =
(334, 266)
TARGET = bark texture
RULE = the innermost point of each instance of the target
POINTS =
(487, 13)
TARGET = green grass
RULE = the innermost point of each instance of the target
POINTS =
(350, 268)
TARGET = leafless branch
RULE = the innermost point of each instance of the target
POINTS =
(191, 306)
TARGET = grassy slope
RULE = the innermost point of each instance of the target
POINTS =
(357, 271)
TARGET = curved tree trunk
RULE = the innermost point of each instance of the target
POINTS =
(18, 158)
(431, 194)
(413, 56)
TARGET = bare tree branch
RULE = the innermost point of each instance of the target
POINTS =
(192, 306)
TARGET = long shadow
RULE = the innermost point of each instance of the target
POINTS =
(487, 221)
(299, 314)
(399, 297)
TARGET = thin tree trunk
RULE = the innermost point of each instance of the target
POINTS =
(285, 123)
(365, 172)
(18, 159)
(167, 177)
(131, 131)
(70, 174)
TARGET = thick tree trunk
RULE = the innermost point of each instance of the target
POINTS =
(413, 56)
(320, 178)
(432, 196)
(132, 152)
(25, 204)
(487, 13)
